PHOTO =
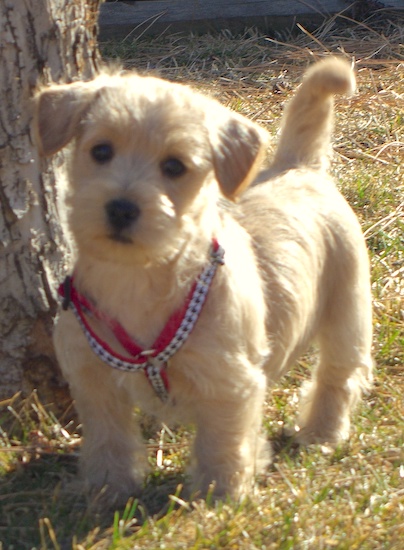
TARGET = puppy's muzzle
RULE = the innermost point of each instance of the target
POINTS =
(121, 215)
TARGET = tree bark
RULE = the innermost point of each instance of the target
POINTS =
(40, 42)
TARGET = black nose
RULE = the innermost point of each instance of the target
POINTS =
(121, 213)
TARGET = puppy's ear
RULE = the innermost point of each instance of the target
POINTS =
(238, 147)
(58, 111)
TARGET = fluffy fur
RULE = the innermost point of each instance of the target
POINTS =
(296, 269)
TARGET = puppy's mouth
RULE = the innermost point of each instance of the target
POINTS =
(121, 214)
(119, 238)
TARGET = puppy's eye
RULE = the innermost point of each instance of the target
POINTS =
(173, 168)
(102, 153)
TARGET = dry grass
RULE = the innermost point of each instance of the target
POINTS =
(350, 499)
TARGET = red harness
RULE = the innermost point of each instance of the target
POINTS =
(153, 361)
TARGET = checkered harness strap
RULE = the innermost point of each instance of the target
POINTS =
(152, 362)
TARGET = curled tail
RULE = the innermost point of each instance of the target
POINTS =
(308, 120)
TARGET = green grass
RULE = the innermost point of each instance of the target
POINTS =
(351, 498)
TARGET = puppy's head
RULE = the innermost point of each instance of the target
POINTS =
(147, 157)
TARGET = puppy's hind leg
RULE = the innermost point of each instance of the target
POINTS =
(344, 370)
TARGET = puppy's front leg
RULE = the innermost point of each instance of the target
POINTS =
(229, 448)
(113, 457)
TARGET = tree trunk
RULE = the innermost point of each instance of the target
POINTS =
(40, 41)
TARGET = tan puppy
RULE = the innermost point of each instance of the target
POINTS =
(157, 179)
